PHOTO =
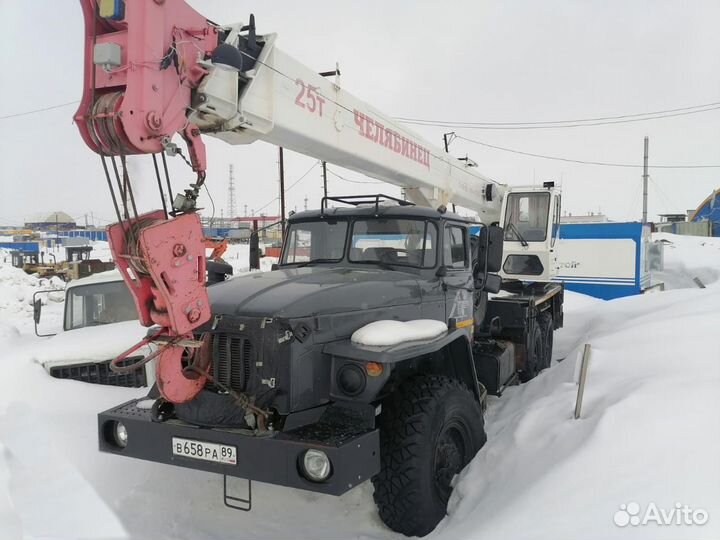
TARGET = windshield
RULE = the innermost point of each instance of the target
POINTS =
(404, 242)
(101, 303)
(526, 218)
(391, 242)
(315, 241)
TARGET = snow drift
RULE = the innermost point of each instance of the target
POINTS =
(649, 434)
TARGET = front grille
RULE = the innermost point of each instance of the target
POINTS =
(233, 357)
(100, 373)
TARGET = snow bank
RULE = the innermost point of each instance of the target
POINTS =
(687, 257)
(385, 333)
(16, 294)
(649, 433)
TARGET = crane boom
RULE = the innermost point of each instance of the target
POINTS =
(157, 68)
(283, 102)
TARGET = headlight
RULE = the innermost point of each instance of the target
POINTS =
(316, 466)
(120, 434)
(351, 379)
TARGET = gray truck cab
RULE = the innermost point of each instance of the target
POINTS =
(336, 412)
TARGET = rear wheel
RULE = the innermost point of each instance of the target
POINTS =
(535, 350)
(546, 327)
(430, 429)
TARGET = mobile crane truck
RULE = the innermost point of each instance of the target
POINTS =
(259, 377)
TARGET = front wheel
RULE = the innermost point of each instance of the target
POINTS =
(430, 429)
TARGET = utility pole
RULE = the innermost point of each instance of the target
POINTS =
(324, 175)
(645, 181)
(231, 194)
(245, 211)
(282, 191)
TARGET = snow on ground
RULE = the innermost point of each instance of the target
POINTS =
(238, 256)
(649, 433)
(16, 299)
(687, 257)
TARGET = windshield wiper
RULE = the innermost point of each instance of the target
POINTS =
(315, 261)
(381, 264)
(519, 236)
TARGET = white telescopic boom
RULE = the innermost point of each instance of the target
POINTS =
(285, 103)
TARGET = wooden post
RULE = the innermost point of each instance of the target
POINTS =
(583, 378)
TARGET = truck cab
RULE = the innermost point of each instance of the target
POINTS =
(99, 323)
(292, 398)
(530, 219)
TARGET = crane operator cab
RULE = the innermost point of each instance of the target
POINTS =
(530, 219)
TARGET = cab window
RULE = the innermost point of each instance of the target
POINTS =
(315, 241)
(526, 217)
(455, 253)
(401, 242)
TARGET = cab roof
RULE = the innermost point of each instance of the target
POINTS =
(381, 210)
(101, 277)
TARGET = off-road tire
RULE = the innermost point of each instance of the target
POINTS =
(535, 351)
(430, 429)
(546, 327)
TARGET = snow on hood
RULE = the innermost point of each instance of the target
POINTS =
(386, 333)
(89, 344)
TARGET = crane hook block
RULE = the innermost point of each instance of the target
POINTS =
(163, 264)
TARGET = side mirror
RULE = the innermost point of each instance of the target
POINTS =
(493, 283)
(491, 247)
(37, 308)
(441, 271)
(275, 266)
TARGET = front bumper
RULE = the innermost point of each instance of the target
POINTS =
(273, 459)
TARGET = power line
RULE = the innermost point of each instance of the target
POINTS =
(351, 181)
(35, 111)
(584, 162)
(290, 187)
(669, 205)
(555, 124)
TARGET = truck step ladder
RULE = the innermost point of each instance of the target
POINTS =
(234, 502)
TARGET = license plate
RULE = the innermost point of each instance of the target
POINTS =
(206, 451)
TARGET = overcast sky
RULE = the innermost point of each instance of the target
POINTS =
(483, 61)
